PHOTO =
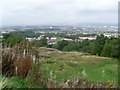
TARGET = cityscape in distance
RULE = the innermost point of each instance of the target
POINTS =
(49, 44)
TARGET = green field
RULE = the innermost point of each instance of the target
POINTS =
(64, 65)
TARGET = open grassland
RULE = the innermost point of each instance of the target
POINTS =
(64, 65)
(61, 66)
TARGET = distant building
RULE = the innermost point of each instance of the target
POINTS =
(1, 36)
(51, 42)
(67, 39)
(3, 32)
(107, 35)
(111, 35)
(89, 38)
(30, 39)
(47, 38)
(53, 38)
(38, 38)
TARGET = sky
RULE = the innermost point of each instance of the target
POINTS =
(45, 12)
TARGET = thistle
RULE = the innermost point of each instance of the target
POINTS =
(84, 73)
(103, 73)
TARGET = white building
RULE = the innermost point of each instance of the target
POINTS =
(53, 38)
(30, 39)
(89, 38)
(67, 39)
(107, 35)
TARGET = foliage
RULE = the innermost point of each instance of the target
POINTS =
(71, 46)
(60, 45)
(73, 64)
(111, 48)
(40, 43)
(107, 50)
(11, 39)
(68, 64)
(102, 46)
(17, 61)
(7, 64)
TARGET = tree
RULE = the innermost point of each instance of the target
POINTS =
(98, 45)
(94, 48)
(107, 50)
(85, 46)
(71, 46)
(43, 41)
(11, 39)
(115, 51)
(40, 43)
(111, 48)
(60, 45)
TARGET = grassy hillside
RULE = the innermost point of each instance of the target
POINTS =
(64, 65)
(15, 82)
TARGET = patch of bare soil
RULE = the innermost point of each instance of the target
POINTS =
(45, 52)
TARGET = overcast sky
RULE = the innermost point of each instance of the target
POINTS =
(42, 12)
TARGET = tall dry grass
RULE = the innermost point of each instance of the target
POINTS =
(18, 60)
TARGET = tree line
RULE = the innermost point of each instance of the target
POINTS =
(102, 46)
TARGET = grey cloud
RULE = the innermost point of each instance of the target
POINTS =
(57, 11)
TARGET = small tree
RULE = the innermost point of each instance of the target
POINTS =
(61, 44)
(115, 51)
(107, 50)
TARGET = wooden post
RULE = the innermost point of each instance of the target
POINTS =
(24, 53)
(16, 70)
(34, 58)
